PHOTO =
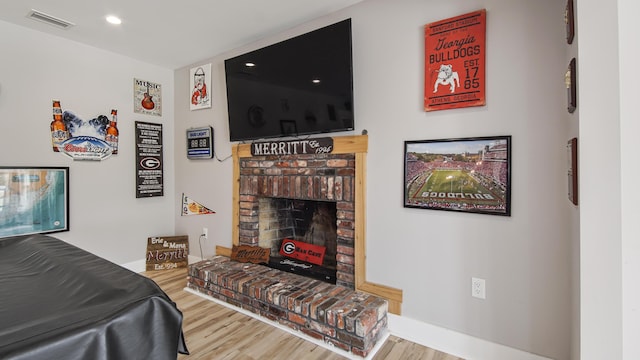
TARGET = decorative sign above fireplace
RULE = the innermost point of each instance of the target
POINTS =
(293, 147)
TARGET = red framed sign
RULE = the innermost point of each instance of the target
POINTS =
(455, 62)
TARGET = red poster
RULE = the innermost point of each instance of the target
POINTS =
(455, 62)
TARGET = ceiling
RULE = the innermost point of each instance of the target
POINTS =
(169, 33)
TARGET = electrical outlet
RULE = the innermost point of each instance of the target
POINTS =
(477, 288)
(205, 232)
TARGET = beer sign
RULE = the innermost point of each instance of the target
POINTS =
(455, 62)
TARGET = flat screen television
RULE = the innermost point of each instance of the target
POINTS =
(300, 86)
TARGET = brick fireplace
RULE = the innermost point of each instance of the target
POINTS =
(348, 185)
(322, 178)
(350, 313)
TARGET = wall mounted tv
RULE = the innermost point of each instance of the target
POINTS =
(300, 86)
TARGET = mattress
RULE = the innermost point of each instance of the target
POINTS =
(58, 301)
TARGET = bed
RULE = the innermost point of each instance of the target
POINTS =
(58, 301)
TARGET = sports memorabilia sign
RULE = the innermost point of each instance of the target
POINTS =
(303, 251)
(455, 62)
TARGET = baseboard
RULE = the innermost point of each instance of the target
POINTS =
(454, 343)
(139, 266)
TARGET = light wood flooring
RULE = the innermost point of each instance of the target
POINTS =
(213, 331)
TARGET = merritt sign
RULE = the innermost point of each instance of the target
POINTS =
(293, 147)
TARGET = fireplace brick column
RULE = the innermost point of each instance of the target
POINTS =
(325, 177)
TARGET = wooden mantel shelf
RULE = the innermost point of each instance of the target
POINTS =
(358, 145)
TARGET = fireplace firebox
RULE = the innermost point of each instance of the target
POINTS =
(297, 189)
(296, 230)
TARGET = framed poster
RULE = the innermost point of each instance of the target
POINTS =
(147, 97)
(466, 174)
(200, 79)
(33, 200)
(454, 75)
(149, 172)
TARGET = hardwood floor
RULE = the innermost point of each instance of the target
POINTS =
(213, 331)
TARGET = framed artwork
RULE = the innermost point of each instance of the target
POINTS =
(149, 160)
(200, 79)
(465, 174)
(570, 82)
(569, 21)
(572, 172)
(147, 97)
(33, 200)
(454, 75)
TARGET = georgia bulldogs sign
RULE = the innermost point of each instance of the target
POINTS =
(302, 251)
(455, 62)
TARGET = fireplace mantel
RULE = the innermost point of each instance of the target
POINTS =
(357, 145)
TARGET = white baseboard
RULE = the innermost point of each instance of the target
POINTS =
(139, 266)
(454, 343)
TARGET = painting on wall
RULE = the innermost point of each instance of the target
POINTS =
(33, 200)
(147, 97)
(455, 62)
(466, 174)
(200, 79)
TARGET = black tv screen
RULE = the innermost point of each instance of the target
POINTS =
(300, 86)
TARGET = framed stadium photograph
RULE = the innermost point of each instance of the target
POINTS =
(466, 174)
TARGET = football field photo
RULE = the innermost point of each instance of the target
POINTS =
(465, 175)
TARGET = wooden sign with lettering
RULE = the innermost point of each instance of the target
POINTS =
(454, 75)
(167, 252)
(293, 147)
(252, 254)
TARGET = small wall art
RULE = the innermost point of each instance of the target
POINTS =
(200, 79)
(570, 82)
(466, 175)
(572, 171)
(569, 21)
(147, 97)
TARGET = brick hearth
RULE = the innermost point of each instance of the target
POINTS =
(350, 320)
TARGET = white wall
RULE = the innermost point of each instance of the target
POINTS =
(526, 259)
(629, 128)
(105, 216)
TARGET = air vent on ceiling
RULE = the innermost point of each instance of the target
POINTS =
(51, 20)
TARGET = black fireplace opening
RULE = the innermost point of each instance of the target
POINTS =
(311, 225)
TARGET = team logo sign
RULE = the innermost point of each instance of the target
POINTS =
(303, 251)
(455, 62)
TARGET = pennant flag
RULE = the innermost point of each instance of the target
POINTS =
(190, 207)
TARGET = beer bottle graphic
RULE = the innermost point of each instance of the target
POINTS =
(111, 136)
(59, 132)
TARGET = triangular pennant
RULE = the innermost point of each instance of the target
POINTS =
(190, 207)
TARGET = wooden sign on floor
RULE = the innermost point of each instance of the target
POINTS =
(167, 252)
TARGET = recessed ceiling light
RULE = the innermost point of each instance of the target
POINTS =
(316, 81)
(114, 20)
(249, 64)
